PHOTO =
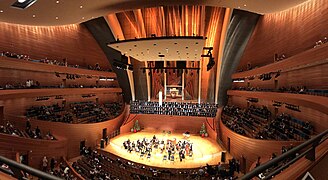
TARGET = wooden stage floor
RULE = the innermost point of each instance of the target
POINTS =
(205, 150)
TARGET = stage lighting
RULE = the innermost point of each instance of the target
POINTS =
(23, 4)
(210, 64)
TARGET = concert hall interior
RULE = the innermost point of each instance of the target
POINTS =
(138, 89)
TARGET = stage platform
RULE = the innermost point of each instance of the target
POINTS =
(205, 150)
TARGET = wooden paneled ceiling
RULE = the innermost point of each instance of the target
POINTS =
(63, 12)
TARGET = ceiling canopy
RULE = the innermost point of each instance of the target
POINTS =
(162, 48)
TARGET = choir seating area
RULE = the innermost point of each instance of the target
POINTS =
(174, 108)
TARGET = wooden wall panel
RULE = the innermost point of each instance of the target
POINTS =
(309, 57)
(74, 133)
(290, 32)
(314, 77)
(73, 42)
(27, 98)
(16, 64)
(317, 117)
(166, 122)
(302, 166)
(35, 148)
(238, 101)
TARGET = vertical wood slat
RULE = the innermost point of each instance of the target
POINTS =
(73, 42)
(287, 32)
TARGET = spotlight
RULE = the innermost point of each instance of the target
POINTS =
(23, 4)
(210, 64)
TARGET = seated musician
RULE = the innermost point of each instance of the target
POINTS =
(186, 134)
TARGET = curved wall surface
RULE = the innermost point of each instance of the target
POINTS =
(36, 149)
(288, 32)
(171, 123)
(73, 42)
(312, 108)
(249, 148)
(75, 133)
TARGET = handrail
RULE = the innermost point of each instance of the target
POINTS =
(313, 141)
(28, 169)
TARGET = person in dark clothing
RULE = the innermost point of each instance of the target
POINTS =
(52, 164)
(28, 124)
(38, 132)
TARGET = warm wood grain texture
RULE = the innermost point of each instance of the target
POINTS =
(166, 122)
(313, 108)
(298, 169)
(73, 42)
(6, 176)
(35, 148)
(313, 77)
(16, 102)
(91, 133)
(20, 93)
(16, 64)
(290, 32)
(302, 59)
(250, 148)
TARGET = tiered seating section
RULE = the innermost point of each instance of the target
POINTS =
(94, 165)
(38, 86)
(63, 62)
(174, 108)
(27, 133)
(60, 170)
(257, 123)
(294, 90)
(77, 112)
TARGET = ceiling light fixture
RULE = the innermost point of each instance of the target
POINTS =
(21, 1)
(57, 17)
(57, 2)
(33, 15)
(1, 11)
(81, 7)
